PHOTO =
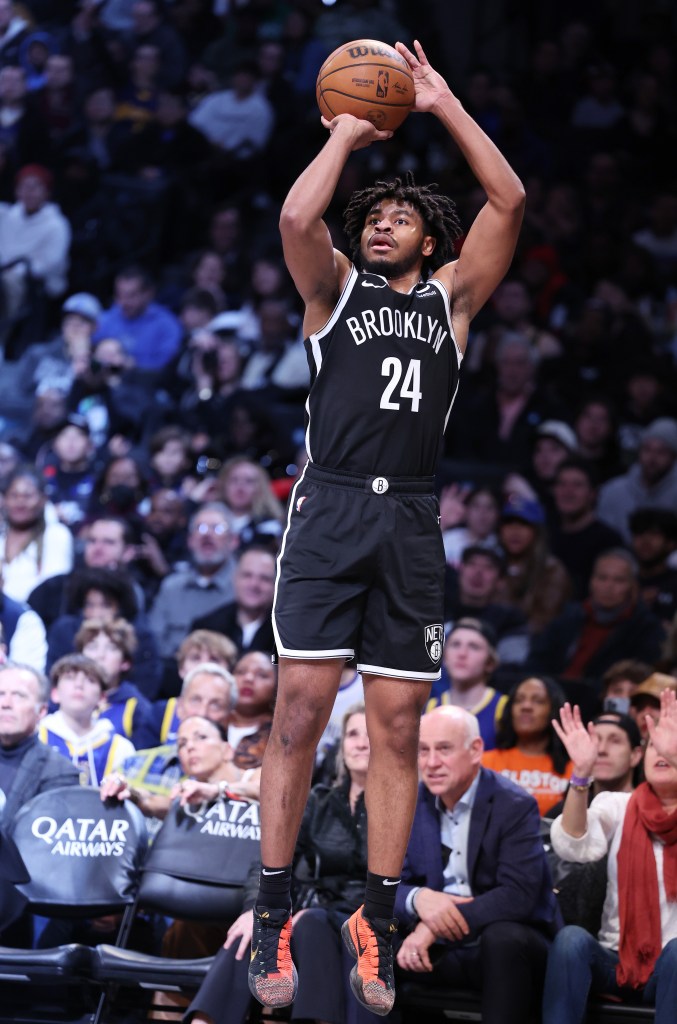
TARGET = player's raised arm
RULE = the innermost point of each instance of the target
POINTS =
(490, 242)
(317, 269)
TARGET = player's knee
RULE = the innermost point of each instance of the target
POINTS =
(398, 731)
(298, 723)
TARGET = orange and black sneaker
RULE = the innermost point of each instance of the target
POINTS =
(371, 943)
(272, 975)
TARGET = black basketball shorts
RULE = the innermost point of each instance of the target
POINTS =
(361, 574)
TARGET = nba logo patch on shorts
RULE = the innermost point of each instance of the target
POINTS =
(434, 642)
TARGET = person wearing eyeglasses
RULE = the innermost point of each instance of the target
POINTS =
(196, 589)
(149, 776)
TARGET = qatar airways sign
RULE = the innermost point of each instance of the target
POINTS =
(227, 819)
(82, 837)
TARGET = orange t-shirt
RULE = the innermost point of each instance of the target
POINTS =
(535, 773)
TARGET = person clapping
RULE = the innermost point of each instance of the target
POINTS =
(634, 956)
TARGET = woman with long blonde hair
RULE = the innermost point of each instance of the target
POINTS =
(245, 489)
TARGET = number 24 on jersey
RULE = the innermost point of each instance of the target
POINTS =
(411, 385)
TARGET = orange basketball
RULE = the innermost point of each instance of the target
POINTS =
(368, 79)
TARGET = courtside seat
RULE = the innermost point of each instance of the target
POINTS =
(195, 871)
(415, 1000)
(46, 966)
(82, 860)
(423, 1002)
(82, 856)
(601, 1012)
(122, 966)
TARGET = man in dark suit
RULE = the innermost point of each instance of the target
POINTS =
(247, 619)
(476, 891)
(27, 767)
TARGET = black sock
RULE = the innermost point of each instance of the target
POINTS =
(379, 896)
(274, 888)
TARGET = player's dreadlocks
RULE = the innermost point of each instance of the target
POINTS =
(439, 215)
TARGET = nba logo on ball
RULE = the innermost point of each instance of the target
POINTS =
(382, 84)
(434, 642)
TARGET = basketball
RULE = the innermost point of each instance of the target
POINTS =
(369, 80)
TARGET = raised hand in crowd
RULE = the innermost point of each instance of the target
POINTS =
(663, 733)
(581, 742)
(452, 505)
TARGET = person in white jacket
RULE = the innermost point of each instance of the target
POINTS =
(33, 545)
(634, 956)
(33, 229)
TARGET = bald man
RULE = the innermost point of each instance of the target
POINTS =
(481, 914)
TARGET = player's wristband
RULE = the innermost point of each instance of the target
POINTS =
(581, 782)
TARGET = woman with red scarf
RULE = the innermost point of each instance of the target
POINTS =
(635, 954)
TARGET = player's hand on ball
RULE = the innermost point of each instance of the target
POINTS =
(428, 83)
(364, 132)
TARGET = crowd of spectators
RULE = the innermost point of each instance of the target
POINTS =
(153, 380)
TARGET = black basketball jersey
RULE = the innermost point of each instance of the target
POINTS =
(384, 374)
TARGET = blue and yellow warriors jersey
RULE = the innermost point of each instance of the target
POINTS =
(165, 720)
(94, 758)
(121, 716)
(130, 714)
(384, 374)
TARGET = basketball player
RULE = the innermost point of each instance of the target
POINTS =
(362, 562)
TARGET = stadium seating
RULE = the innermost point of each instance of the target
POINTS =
(83, 859)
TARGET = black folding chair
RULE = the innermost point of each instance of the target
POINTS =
(195, 871)
(83, 859)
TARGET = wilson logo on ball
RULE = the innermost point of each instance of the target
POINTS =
(380, 50)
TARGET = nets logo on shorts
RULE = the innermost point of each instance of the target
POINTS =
(434, 642)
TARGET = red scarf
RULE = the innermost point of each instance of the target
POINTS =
(638, 903)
